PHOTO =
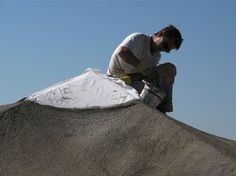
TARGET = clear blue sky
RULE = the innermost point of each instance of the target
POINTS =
(43, 42)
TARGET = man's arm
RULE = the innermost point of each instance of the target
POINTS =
(128, 56)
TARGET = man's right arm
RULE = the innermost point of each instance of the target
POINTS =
(127, 55)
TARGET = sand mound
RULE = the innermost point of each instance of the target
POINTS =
(38, 140)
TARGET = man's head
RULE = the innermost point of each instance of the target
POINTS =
(168, 38)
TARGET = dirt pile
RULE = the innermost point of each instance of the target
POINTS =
(136, 140)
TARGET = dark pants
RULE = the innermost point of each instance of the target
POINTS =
(163, 76)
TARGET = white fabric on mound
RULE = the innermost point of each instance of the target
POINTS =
(89, 90)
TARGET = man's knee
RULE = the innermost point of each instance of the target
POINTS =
(168, 70)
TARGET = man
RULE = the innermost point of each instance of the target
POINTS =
(137, 59)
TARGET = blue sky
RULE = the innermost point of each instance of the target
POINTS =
(43, 42)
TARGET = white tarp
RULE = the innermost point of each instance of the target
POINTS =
(89, 90)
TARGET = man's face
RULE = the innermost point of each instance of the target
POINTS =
(164, 43)
(168, 44)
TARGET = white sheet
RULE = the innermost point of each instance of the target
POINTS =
(89, 90)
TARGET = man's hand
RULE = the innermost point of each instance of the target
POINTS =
(143, 69)
(126, 79)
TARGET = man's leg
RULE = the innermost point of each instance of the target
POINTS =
(166, 105)
(163, 76)
(138, 85)
(137, 81)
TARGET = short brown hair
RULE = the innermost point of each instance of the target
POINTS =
(172, 31)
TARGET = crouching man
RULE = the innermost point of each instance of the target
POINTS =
(136, 62)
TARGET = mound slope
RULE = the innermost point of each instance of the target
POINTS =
(130, 141)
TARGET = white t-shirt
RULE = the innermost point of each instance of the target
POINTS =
(139, 44)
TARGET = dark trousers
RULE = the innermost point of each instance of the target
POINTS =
(163, 77)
